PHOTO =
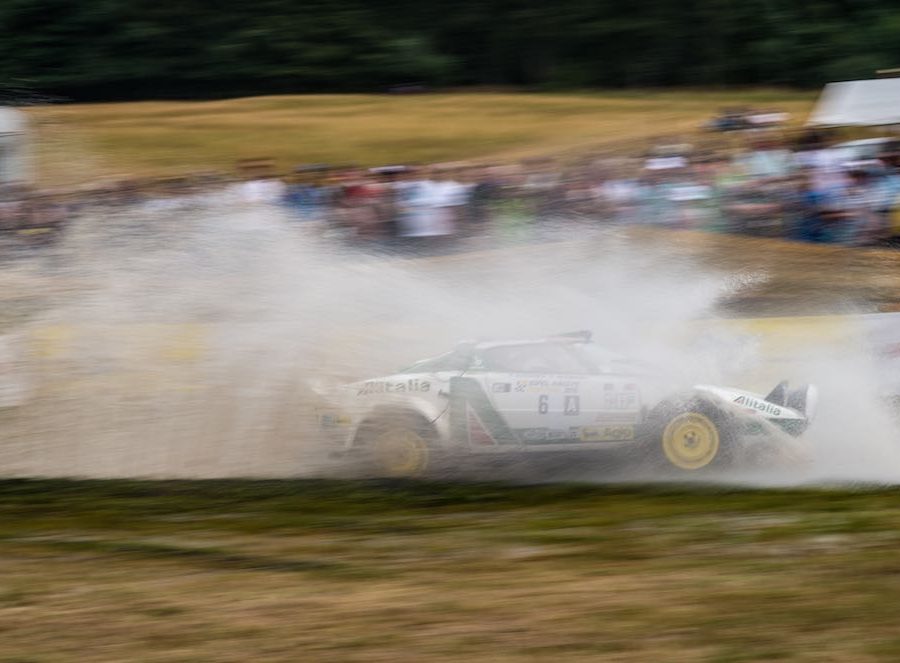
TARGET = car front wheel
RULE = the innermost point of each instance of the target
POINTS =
(690, 438)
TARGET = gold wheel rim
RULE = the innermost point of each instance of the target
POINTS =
(691, 441)
(401, 453)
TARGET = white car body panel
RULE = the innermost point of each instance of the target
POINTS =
(749, 403)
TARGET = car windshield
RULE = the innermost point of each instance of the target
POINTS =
(604, 360)
(452, 361)
(597, 355)
(567, 358)
(535, 358)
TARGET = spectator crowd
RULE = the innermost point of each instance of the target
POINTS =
(760, 182)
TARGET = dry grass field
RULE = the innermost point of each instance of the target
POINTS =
(84, 141)
(330, 571)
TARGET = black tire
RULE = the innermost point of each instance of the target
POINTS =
(688, 437)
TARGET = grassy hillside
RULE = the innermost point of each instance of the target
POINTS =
(80, 142)
(287, 571)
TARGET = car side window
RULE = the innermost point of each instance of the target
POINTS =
(476, 363)
(452, 361)
(532, 358)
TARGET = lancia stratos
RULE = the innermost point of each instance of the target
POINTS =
(555, 394)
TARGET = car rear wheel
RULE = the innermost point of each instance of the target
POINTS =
(400, 452)
(397, 446)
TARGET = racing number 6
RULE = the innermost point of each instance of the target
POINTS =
(543, 404)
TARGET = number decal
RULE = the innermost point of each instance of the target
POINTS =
(571, 405)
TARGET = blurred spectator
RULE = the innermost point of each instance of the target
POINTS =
(751, 183)
(12, 206)
(425, 205)
(355, 201)
(811, 207)
(259, 182)
(306, 194)
(484, 192)
(766, 160)
(865, 223)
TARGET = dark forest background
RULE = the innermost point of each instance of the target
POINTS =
(127, 49)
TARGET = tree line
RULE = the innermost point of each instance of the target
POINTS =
(124, 49)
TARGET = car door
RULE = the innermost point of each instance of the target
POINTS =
(537, 400)
(550, 401)
(596, 404)
(612, 408)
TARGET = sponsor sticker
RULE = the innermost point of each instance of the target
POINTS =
(606, 433)
(393, 387)
(546, 434)
(620, 400)
(756, 404)
(562, 385)
(333, 420)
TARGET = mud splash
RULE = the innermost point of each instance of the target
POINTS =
(185, 343)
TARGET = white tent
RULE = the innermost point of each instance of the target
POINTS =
(14, 146)
(866, 103)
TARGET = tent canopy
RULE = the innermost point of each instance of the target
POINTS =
(15, 162)
(12, 121)
(866, 103)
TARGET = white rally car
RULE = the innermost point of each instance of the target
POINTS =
(552, 394)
